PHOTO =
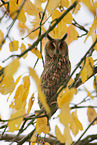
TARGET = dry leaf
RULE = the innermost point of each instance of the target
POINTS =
(95, 83)
(16, 120)
(75, 124)
(14, 45)
(31, 101)
(59, 135)
(72, 34)
(36, 52)
(66, 97)
(93, 28)
(23, 48)
(88, 93)
(91, 113)
(41, 94)
(11, 68)
(7, 85)
(41, 125)
(87, 71)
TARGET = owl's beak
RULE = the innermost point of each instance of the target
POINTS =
(57, 56)
(57, 51)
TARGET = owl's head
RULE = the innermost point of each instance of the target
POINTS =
(56, 47)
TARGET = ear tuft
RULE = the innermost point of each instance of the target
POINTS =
(64, 37)
(49, 37)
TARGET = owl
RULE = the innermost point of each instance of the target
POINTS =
(56, 69)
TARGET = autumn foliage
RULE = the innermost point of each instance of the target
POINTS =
(33, 21)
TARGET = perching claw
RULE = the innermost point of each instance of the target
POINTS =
(64, 37)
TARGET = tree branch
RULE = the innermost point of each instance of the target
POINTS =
(44, 34)
(13, 22)
(78, 65)
(76, 143)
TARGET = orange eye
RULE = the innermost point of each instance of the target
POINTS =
(52, 47)
(61, 46)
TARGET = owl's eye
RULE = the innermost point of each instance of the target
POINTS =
(52, 47)
(61, 46)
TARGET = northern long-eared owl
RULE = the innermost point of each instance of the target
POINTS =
(56, 69)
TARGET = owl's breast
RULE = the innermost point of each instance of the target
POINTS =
(54, 74)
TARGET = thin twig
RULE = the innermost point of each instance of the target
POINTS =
(13, 22)
(43, 14)
(82, 107)
(78, 65)
(79, 26)
(85, 131)
(45, 33)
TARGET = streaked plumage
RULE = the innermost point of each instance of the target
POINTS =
(56, 69)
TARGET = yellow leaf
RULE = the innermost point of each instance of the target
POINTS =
(65, 116)
(26, 81)
(89, 94)
(83, 75)
(26, 86)
(23, 28)
(66, 97)
(33, 138)
(64, 3)
(18, 102)
(21, 94)
(30, 8)
(57, 32)
(70, 82)
(72, 34)
(32, 143)
(17, 80)
(41, 125)
(63, 90)
(77, 8)
(22, 17)
(91, 5)
(61, 28)
(16, 120)
(75, 124)
(11, 68)
(52, 5)
(15, 7)
(68, 18)
(38, 4)
(42, 1)
(31, 101)
(56, 14)
(14, 45)
(63, 101)
(87, 71)
(59, 135)
(89, 66)
(36, 52)
(93, 28)
(91, 114)
(1, 37)
(94, 37)
(7, 85)
(67, 136)
(23, 48)
(95, 83)
(42, 97)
